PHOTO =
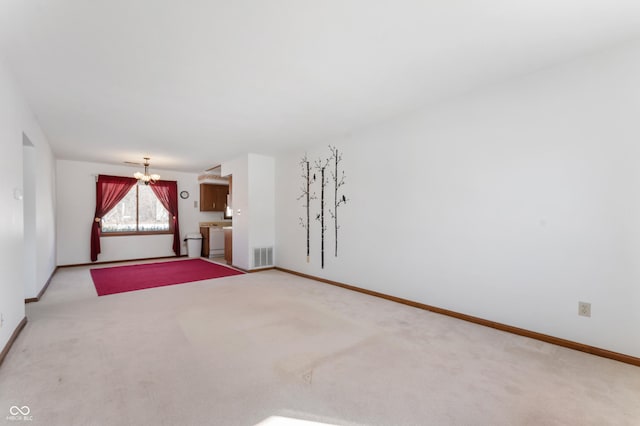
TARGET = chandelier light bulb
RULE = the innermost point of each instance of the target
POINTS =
(145, 177)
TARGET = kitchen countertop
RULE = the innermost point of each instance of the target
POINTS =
(223, 223)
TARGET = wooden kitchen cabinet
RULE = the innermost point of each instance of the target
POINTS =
(213, 198)
(204, 230)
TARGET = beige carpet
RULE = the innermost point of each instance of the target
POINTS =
(266, 347)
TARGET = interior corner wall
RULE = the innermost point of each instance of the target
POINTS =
(512, 204)
(17, 120)
(76, 203)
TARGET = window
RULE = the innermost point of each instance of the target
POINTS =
(139, 212)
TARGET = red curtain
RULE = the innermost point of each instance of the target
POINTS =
(109, 191)
(167, 193)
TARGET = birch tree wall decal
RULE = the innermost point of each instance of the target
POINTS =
(308, 196)
(322, 167)
(338, 182)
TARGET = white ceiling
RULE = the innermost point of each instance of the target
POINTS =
(194, 83)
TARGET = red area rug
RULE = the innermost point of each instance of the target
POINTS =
(120, 279)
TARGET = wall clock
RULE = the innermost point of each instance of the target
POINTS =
(184, 195)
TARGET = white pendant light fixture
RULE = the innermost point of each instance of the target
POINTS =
(146, 178)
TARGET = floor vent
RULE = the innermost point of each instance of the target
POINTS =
(262, 257)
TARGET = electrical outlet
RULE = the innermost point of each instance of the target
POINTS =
(584, 309)
(195, 204)
(1, 319)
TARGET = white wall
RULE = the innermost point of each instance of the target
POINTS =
(261, 202)
(11, 227)
(15, 120)
(76, 206)
(511, 204)
(253, 199)
(29, 240)
(45, 214)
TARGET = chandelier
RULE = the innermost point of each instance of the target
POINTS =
(145, 177)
